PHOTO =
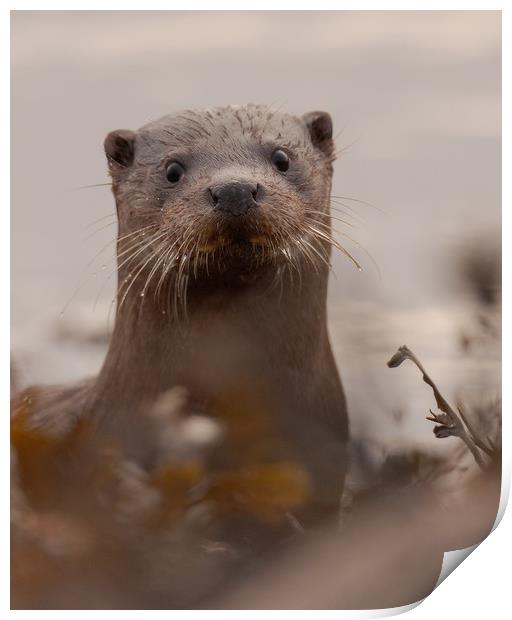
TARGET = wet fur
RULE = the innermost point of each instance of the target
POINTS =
(235, 311)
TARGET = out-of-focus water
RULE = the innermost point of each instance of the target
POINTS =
(416, 98)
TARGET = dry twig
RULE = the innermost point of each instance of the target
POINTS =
(449, 423)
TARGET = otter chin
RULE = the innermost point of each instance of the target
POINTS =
(223, 251)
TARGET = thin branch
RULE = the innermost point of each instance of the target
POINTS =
(449, 422)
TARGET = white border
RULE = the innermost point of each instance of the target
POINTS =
(476, 587)
(265, 5)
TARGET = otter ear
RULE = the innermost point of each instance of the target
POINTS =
(319, 125)
(119, 147)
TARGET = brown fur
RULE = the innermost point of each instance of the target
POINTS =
(234, 309)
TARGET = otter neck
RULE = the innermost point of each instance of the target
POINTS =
(262, 332)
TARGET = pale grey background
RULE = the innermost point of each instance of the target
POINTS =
(418, 92)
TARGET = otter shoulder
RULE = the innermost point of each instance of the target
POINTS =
(52, 411)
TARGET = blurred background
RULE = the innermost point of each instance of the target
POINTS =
(416, 103)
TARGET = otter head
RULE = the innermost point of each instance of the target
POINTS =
(234, 189)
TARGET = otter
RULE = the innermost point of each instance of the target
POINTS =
(223, 258)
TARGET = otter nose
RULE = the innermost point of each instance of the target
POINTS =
(235, 198)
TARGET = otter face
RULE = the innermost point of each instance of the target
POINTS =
(223, 189)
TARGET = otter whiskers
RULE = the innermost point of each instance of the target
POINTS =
(87, 278)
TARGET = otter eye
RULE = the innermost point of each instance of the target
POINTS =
(174, 172)
(280, 160)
